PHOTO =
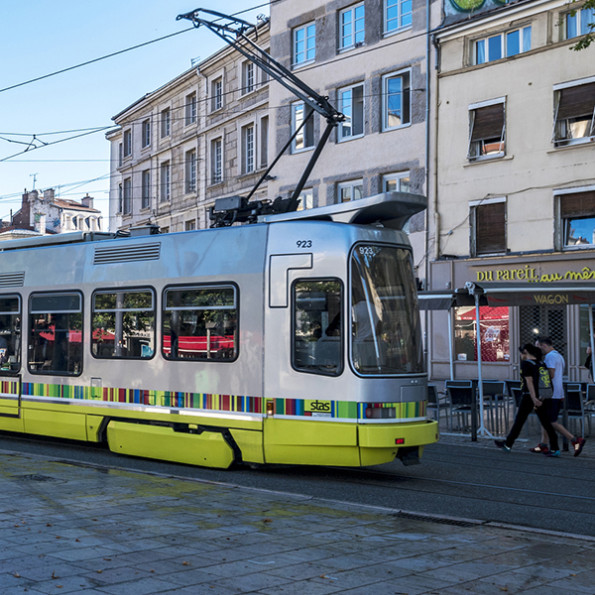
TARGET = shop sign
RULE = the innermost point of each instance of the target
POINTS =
(532, 274)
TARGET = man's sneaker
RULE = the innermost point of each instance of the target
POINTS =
(578, 445)
(502, 444)
(541, 447)
(553, 453)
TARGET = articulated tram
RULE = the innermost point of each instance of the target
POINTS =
(295, 340)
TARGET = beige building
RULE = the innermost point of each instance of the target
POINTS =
(513, 194)
(369, 58)
(199, 137)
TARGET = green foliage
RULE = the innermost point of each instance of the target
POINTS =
(586, 40)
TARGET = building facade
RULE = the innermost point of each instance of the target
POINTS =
(514, 182)
(43, 212)
(370, 58)
(201, 136)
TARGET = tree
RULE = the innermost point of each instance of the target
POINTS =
(585, 41)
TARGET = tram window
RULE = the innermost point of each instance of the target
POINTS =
(10, 333)
(123, 324)
(200, 323)
(317, 344)
(56, 333)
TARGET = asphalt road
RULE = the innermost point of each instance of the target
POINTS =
(461, 480)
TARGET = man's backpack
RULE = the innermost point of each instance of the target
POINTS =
(546, 388)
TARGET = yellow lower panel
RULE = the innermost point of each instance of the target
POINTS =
(408, 434)
(58, 424)
(310, 443)
(208, 449)
(250, 443)
(93, 425)
(10, 424)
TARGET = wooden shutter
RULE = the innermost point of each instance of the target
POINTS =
(579, 204)
(488, 122)
(576, 101)
(490, 228)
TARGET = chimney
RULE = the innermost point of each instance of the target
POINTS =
(87, 201)
(48, 194)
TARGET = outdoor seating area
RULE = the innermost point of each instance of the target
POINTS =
(454, 402)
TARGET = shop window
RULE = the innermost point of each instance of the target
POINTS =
(574, 113)
(494, 334)
(200, 323)
(488, 227)
(123, 324)
(577, 219)
(55, 333)
(487, 128)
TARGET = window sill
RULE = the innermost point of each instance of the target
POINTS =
(350, 138)
(302, 64)
(392, 32)
(350, 48)
(298, 151)
(495, 158)
(588, 141)
(407, 125)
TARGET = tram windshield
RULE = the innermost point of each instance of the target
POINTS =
(385, 327)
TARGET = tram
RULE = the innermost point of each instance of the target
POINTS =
(295, 340)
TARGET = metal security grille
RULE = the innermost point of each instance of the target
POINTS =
(545, 321)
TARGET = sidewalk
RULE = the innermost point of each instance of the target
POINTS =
(68, 528)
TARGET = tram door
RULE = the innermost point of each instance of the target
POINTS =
(10, 356)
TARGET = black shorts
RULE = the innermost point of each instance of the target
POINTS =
(552, 408)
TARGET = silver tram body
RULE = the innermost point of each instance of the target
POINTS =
(215, 347)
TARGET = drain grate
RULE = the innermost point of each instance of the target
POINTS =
(435, 519)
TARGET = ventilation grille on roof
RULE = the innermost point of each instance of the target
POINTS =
(12, 279)
(105, 255)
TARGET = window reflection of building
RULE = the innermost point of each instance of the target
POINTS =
(494, 334)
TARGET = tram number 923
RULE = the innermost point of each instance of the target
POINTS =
(304, 243)
(369, 251)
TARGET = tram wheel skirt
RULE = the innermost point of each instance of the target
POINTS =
(208, 449)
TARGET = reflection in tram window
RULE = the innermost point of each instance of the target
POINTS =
(318, 326)
(385, 328)
(10, 332)
(123, 324)
(55, 333)
(200, 323)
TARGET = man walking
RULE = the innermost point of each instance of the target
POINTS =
(555, 364)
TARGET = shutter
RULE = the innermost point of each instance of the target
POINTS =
(579, 204)
(577, 101)
(488, 122)
(490, 228)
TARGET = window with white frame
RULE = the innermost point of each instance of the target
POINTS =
(397, 15)
(305, 137)
(190, 171)
(487, 129)
(488, 226)
(574, 112)
(396, 100)
(247, 77)
(146, 133)
(190, 225)
(352, 190)
(165, 181)
(217, 94)
(127, 142)
(576, 208)
(146, 189)
(351, 104)
(505, 44)
(304, 44)
(190, 108)
(165, 122)
(352, 27)
(264, 141)
(397, 182)
(580, 22)
(127, 196)
(248, 149)
(216, 161)
(306, 199)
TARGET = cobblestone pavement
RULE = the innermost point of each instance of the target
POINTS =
(71, 528)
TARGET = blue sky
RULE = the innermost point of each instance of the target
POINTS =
(39, 37)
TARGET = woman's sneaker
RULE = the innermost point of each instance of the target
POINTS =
(541, 447)
(578, 444)
(502, 445)
(553, 453)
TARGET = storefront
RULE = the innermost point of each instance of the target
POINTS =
(520, 298)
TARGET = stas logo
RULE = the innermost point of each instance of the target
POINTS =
(318, 407)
